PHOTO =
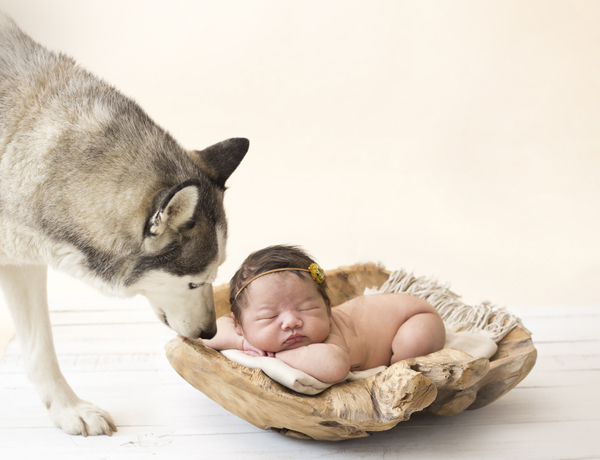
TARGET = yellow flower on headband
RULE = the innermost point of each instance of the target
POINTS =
(317, 273)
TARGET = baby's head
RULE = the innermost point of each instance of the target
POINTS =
(289, 301)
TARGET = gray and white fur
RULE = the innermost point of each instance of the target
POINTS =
(90, 185)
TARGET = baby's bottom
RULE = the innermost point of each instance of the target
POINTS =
(419, 335)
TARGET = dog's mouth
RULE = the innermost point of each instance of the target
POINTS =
(203, 334)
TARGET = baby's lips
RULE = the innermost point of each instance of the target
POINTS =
(294, 339)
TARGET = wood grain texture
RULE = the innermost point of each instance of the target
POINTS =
(445, 383)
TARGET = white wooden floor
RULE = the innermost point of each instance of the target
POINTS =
(111, 351)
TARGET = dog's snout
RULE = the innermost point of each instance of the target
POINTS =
(207, 335)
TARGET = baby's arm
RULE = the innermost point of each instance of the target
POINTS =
(327, 362)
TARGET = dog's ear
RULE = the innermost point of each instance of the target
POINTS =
(220, 160)
(175, 210)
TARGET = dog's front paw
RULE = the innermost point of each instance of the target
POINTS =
(82, 418)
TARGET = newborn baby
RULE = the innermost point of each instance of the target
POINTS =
(280, 308)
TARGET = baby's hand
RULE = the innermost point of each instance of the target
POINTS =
(253, 351)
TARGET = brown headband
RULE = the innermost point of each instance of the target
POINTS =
(314, 269)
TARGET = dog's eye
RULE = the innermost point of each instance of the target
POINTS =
(195, 286)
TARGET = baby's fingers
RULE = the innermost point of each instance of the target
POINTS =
(251, 350)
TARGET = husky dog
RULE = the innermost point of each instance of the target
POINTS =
(91, 186)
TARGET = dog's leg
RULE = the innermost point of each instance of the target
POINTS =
(25, 291)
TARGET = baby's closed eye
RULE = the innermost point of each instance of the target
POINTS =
(267, 318)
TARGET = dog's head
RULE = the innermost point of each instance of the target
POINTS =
(184, 244)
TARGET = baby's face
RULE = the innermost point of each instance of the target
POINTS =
(284, 311)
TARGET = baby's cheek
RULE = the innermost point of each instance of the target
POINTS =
(321, 332)
(324, 335)
(252, 337)
(265, 340)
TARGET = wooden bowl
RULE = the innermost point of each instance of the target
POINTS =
(445, 383)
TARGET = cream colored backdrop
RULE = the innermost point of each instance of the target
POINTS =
(456, 139)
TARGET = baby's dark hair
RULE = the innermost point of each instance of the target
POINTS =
(264, 260)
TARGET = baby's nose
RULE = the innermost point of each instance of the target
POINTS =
(291, 321)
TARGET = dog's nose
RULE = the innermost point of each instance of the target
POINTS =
(207, 335)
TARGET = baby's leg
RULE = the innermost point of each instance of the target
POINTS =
(419, 335)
